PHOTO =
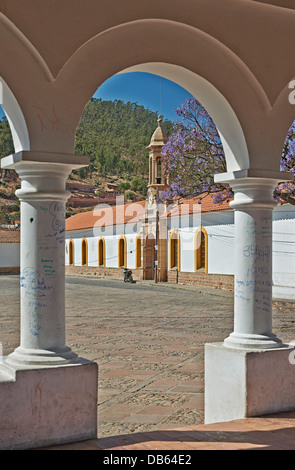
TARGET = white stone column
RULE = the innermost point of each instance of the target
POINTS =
(250, 373)
(253, 204)
(42, 264)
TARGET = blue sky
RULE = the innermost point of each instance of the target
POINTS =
(144, 89)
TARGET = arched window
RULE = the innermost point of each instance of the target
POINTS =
(71, 251)
(122, 252)
(138, 252)
(84, 259)
(151, 171)
(159, 172)
(201, 249)
(101, 252)
(174, 250)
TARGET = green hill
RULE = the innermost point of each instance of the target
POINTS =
(115, 135)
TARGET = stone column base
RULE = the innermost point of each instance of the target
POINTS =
(47, 406)
(241, 383)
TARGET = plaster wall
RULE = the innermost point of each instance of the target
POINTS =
(220, 231)
(9, 255)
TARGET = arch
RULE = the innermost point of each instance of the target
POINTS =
(174, 250)
(229, 128)
(15, 118)
(71, 252)
(227, 102)
(122, 251)
(201, 249)
(101, 252)
(246, 109)
(84, 252)
(138, 251)
(29, 52)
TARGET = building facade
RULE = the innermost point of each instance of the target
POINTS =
(187, 242)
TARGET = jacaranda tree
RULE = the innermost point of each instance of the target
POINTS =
(194, 154)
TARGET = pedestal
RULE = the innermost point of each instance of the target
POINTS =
(48, 395)
(47, 405)
(241, 383)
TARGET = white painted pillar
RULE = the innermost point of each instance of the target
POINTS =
(42, 265)
(253, 204)
(244, 373)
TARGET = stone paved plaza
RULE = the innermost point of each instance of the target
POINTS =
(148, 341)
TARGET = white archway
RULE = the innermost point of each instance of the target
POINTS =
(15, 118)
(224, 117)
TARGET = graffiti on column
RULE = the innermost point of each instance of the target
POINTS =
(256, 285)
(34, 293)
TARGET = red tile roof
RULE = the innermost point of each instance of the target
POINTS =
(199, 203)
(106, 215)
(9, 235)
(122, 214)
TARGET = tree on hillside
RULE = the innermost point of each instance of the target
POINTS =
(194, 153)
(115, 135)
(6, 142)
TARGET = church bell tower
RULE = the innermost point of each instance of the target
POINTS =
(158, 181)
(154, 238)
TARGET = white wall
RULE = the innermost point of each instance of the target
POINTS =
(111, 248)
(187, 259)
(220, 230)
(9, 255)
(284, 256)
(220, 249)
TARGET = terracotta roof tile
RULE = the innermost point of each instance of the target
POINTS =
(9, 235)
(106, 215)
(199, 203)
(122, 214)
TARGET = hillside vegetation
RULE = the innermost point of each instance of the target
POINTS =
(113, 134)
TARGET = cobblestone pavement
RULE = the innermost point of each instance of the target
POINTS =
(148, 341)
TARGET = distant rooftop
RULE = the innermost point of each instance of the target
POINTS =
(122, 214)
(9, 235)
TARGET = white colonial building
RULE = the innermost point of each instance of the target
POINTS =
(195, 238)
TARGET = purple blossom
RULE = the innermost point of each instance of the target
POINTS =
(194, 154)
